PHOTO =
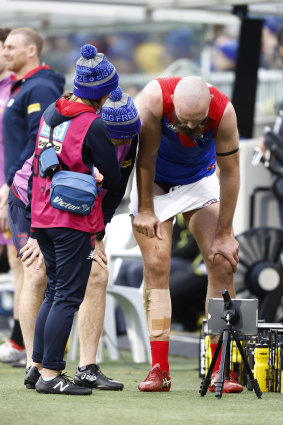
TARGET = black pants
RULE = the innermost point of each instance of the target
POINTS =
(68, 262)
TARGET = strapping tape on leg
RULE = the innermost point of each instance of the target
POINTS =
(157, 307)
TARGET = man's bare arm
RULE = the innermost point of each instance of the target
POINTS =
(227, 141)
(150, 112)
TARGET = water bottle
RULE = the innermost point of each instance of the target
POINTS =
(261, 366)
(208, 357)
(250, 356)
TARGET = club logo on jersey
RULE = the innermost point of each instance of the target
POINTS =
(59, 131)
(211, 167)
(127, 163)
(210, 202)
(23, 238)
(171, 126)
(201, 140)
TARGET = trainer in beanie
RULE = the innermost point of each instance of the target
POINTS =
(95, 75)
(121, 115)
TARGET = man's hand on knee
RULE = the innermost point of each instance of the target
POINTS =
(31, 253)
(226, 246)
(99, 254)
(148, 224)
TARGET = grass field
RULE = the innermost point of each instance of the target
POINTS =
(182, 405)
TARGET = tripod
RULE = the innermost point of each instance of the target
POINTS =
(230, 317)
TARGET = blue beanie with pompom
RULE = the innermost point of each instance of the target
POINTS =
(121, 115)
(95, 75)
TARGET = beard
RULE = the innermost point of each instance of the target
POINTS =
(185, 130)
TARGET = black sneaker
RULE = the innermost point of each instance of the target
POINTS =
(91, 376)
(32, 376)
(61, 384)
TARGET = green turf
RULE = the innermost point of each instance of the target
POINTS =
(182, 405)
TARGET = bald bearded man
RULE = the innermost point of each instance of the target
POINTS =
(186, 125)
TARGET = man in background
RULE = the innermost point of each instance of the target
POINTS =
(6, 243)
(34, 87)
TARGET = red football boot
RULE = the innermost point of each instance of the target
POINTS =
(156, 380)
(230, 385)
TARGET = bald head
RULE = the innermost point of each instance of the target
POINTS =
(193, 94)
(191, 101)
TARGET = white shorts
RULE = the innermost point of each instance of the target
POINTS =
(180, 199)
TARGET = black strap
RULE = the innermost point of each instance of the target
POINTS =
(227, 153)
(51, 135)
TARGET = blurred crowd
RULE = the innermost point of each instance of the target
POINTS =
(151, 53)
(131, 52)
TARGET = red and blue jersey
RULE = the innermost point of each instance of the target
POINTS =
(183, 160)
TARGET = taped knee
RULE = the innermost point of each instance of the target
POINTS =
(157, 306)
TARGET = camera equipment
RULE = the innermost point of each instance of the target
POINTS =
(274, 144)
(231, 315)
(264, 352)
(243, 315)
(272, 160)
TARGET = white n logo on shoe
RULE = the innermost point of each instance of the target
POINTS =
(60, 384)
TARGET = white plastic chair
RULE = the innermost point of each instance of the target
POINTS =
(120, 245)
(7, 285)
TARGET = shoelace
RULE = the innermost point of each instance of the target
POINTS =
(102, 374)
(153, 373)
(66, 378)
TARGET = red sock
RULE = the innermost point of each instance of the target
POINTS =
(213, 348)
(159, 354)
(18, 347)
